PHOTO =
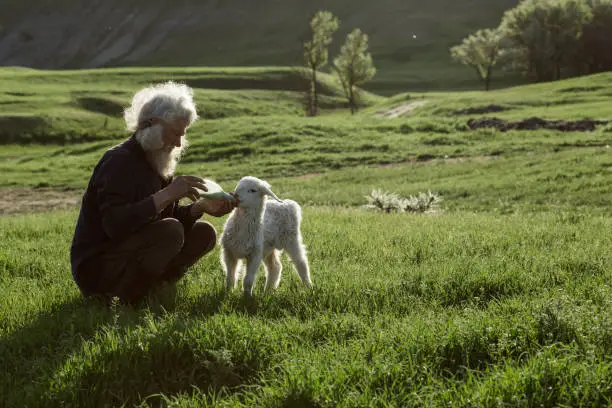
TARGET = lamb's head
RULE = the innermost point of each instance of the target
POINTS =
(251, 192)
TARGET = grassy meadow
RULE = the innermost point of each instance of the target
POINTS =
(501, 299)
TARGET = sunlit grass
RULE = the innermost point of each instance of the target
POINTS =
(499, 298)
(405, 308)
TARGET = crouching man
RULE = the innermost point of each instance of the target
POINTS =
(131, 232)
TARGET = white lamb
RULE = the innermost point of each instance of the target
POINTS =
(259, 230)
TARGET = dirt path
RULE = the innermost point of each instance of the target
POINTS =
(401, 110)
(21, 200)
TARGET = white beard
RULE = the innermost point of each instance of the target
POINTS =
(163, 159)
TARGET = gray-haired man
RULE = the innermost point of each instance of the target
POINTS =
(131, 232)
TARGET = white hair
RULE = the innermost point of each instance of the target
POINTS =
(164, 161)
(167, 101)
(151, 138)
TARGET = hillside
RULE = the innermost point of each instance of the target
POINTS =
(569, 99)
(71, 34)
(49, 106)
(500, 296)
(55, 125)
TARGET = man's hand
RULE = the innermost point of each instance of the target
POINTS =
(216, 208)
(181, 186)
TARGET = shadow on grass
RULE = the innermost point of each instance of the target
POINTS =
(219, 301)
(300, 400)
(90, 344)
(152, 363)
(36, 349)
(101, 105)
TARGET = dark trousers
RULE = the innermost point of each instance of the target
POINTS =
(159, 252)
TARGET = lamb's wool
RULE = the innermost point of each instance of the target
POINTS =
(259, 230)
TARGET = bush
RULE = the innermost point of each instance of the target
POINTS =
(388, 202)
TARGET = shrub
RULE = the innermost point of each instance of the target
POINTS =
(388, 202)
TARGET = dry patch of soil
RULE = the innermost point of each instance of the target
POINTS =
(21, 200)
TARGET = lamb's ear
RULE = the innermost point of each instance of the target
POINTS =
(266, 189)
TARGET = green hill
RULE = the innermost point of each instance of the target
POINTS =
(82, 105)
(265, 131)
(501, 297)
(72, 34)
(570, 99)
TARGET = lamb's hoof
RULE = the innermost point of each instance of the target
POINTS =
(270, 289)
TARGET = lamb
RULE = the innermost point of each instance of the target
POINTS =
(259, 230)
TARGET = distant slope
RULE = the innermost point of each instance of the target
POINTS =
(74, 116)
(568, 99)
(48, 106)
(98, 33)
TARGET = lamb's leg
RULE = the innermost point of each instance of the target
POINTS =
(253, 264)
(231, 267)
(297, 253)
(274, 269)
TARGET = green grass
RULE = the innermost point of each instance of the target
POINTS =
(464, 308)
(86, 105)
(501, 299)
(578, 98)
(485, 171)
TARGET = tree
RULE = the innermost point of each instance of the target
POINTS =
(566, 21)
(323, 26)
(354, 65)
(593, 55)
(481, 51)
(546, 34)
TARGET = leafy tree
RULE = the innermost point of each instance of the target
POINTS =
(354, 66)
(595, 54)
(323, 26)
(546, 34)
(566, 21)
(482, 51)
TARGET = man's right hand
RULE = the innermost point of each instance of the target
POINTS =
(181, 186)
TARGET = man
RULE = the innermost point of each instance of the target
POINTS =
(131, 232)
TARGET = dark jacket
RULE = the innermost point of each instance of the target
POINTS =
(118, 201)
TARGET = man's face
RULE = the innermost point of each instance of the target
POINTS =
(164, 144)
(173, 133)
